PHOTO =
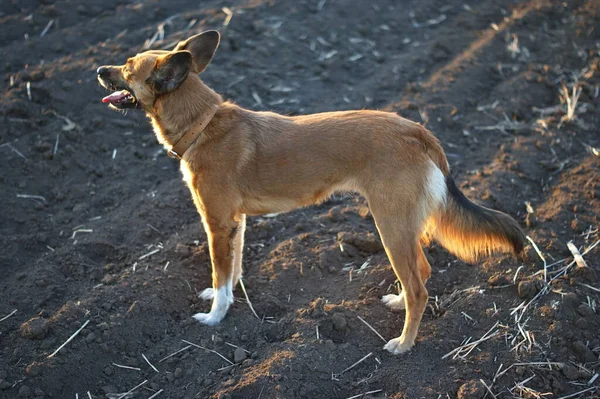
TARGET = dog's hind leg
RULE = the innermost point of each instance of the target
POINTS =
(397, 301)
(222, 236)
(399, 222)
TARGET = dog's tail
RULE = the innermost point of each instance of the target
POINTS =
(469, 230)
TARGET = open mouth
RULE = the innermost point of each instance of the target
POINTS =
(121, 99)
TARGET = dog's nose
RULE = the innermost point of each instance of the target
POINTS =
(102, 71)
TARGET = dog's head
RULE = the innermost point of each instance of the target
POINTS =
(150, 74)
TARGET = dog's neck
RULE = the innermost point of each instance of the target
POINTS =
(175, 114)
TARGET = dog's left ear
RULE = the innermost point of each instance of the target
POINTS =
(170, 71)
(203, 47)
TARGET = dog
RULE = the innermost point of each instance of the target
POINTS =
(238, 162)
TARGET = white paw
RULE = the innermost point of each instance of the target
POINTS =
(397, 346)
(207, 294)
(209, 319)
(394, 302)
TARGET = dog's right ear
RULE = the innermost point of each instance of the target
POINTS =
(202, 46)
(170, 71)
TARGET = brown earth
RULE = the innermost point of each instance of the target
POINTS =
(87, 194)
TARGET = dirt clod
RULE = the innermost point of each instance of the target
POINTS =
(528, 289)
(570, 372)
(498, 280)
(35, 328)
(471, 390)
(24, 392)
(335, 214)
(339, 321)
(367, 242)
(583, 274)
(585, 310)
(583, 352)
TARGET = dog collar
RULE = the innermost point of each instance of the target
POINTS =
(179, 149)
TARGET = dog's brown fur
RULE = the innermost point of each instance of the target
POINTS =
(251, 163)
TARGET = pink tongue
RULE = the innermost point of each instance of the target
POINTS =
(116, 96)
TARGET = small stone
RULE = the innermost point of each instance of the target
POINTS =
(35, 328)
(471, 390)
(178, 373)
(90, 337)
(38, 393)
(239, 355)
(4, 385)
(247, 363)
(108, 371)
(108, 279)
(24, 392)
(339, 321)
(570, 372)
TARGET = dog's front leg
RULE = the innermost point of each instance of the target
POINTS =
(221, 238)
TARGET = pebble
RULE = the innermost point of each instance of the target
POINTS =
(178, 373)
(90, 337)
(35, 328)
(239, 355)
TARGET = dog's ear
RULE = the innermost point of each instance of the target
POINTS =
(202, 46)
(170, 71)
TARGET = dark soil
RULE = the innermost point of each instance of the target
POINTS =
(86, 194)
